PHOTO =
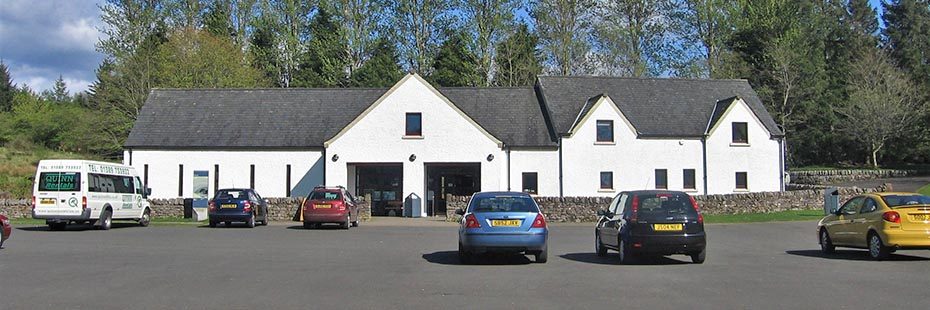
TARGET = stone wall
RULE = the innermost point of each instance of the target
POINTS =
(836, 176)
(279, 209)
(584, 209)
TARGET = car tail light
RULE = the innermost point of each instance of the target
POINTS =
(212, 205)
(83, 202)
(892, 216)
(33, 202)
(342, 206)
(539, 222)
(697, 210)
(246, 206)
(471, 221)
(634, 209)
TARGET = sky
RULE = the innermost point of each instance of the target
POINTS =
(41, 40)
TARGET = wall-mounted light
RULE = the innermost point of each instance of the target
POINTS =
(412, 157)
(490, 157)
(335, 157)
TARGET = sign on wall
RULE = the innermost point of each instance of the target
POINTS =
(201, 183)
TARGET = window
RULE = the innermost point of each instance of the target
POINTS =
(530, 184)
(414, 124)
(607, 180)
(216, 178)
(500, 203)
(605, 131)
(661, 179)
(287, 180)
(613, 204)
(104, 183)
(869, 206)
(59, 182)
(689, 179)
(741, 182)
(852, 206)
(740, 133)
(252, 176)
(180, 180)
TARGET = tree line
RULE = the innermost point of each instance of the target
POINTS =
(845, 90)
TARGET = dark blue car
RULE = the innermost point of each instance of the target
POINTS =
(507, 222)
(238, 205)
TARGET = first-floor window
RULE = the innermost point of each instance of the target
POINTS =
(607, 180)
(741, 182)
(689, 182)
(530, 183)
(661, 179)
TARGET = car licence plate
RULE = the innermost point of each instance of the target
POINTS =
(920, 217)
(667, 227)
(229, 206)
(48, 201)
(322, 206)
(505, 223)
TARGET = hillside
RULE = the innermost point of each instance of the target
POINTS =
(18, 168)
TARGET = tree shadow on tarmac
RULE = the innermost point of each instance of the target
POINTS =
(614, 259)
(860, 255)
(493, 259)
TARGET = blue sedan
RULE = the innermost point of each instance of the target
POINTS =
(507, 222)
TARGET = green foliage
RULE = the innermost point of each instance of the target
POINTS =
(18, 162)
(518, 59)
(563, 27)
(197, 59)
(382, 70)
(455, 64)
(925, 190)
(326, 62)
(6, 88)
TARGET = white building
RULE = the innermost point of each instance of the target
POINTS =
(566, 136)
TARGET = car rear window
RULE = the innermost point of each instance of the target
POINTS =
(503, 204)
(324, 195)
(895, 201)
(231, 194)
(664, 205)
(59, 181)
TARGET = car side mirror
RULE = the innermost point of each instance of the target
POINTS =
(147, 192)
(459, 212)
(601, 212)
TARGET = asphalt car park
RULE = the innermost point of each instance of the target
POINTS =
(413, 265)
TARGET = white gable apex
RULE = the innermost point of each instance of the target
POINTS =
(603, 101)
(738, 106)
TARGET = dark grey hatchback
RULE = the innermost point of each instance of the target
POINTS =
(651, 223)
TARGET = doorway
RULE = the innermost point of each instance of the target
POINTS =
(458, 179)
(385, 184)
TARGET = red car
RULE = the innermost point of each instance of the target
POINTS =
(330, 205)
(6, 229)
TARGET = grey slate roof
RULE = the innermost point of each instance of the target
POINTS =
(247, 117)
(655, 107)
(513, 115)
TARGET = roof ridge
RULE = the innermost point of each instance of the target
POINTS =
(270, 88)
(640, 78)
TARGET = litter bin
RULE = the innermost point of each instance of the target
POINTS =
(831, 200)
(412, 206)
(188, 208)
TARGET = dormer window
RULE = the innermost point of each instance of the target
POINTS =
(414, 126)
(740, 133)
(605, 131)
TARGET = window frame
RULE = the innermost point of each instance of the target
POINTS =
(745, 181)
(693, 180)
(610, 185)
(664, 178)
(734, 139)
(523, 183)
(407, 123)
(610, 124)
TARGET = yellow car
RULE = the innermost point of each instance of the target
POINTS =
(879, 222)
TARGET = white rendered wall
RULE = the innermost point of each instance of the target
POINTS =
(759, 159)
(545, 162)
(448, 137)
(270, 170)
(633, 161)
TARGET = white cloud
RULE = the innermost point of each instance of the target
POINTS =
(81, 34)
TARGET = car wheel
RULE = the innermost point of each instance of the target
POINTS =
(347, 223)
(826, 244)
(543, 256)
(465, 257)
(355, 224)
(698, 258)
(106, 220)
(251, 221)
(877, 249)
(212, 224)
(598, 246)
(626, 256)
(146, 218)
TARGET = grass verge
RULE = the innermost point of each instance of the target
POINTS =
(783, 216)
(925, 190)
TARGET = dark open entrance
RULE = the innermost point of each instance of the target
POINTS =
(385, 184)
(460, 179)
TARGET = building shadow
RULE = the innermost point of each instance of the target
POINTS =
(614, 259)
(490, 259)
(854, 255)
